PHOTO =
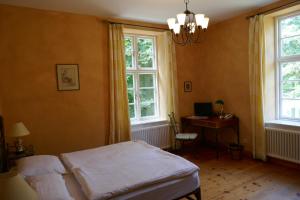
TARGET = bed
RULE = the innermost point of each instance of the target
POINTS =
(128, 170)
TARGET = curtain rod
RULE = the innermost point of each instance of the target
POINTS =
(296, 2)
(142, 26)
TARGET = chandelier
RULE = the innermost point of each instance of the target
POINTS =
(188, 27)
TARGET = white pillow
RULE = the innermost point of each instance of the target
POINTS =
(40, 165)
(49, 187)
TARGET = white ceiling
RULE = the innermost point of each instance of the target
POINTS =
(145, 10)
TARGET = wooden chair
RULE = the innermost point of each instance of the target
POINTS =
(181, 137)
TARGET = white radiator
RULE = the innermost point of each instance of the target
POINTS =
(158, 136)
(283, 144)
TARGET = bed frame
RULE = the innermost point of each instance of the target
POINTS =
(196, 192)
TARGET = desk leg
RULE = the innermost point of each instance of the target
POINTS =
(203, 140)
(217, 143)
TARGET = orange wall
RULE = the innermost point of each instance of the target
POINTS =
(1, 110)
(226, 73)
(218, 68)
(32, 42)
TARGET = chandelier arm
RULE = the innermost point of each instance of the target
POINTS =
(176, 40)
(197, 35)
(188, 35)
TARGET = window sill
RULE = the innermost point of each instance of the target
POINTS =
(283, 124)
(149, 123)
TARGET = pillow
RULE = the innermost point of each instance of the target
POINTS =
(40, 165)
(49, 187)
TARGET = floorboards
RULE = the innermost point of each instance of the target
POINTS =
(246, 179)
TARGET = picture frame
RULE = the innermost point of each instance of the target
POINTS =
(187, 86)
(67, 77)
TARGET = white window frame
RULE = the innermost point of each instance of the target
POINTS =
(136, 71)
(279, 60)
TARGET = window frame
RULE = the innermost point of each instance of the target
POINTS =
(280, 60)
(136, 71)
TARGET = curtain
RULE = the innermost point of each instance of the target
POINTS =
(256, 78)
(167, 77)
(119, 117)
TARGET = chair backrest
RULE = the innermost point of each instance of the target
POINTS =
(173, 123)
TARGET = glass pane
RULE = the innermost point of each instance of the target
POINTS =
(290, 108)
(130, 96)
(131, 111)
(129, 78)
(145, 52)
(147, 109)
(290, 71)
(297, 90)
(146, 80)
(288, 89)
(290, 26)
(147, 95)
(290, 46)
(129, 52)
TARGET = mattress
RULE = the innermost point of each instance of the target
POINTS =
(115, 170)
(163, 191)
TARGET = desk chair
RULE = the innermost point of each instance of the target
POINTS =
(181, 137)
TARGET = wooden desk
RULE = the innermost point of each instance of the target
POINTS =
(213, 123)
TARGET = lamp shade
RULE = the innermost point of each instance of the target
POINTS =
(19, 130)
(14, 187)
(199, 19)
(205, 22)
(181, 18)
(171, 22)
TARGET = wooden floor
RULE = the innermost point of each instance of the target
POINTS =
(245, 179)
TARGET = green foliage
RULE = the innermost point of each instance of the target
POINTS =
(128, 51)
(290, 71)
(131, 111)
(147, 109)
(129, 79)
(291, 46)
(147, 95)
(130, 96)
(290, 26)
(290, 76)
(145, 52)
(146, 80)
(290, 30)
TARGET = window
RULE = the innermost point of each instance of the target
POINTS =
(142, 73)
(288, 67)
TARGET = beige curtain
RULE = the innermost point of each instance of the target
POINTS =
(256, 77)
(119, 117)
(167, 76)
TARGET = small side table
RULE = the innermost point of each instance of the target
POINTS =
(12, 156)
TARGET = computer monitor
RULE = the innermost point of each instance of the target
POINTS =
(203, 109)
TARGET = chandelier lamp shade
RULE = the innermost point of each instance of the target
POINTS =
(188, 26)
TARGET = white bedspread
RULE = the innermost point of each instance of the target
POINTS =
(108, 171)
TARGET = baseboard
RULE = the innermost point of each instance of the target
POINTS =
(283, 163)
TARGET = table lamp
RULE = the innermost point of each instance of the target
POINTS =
(19, 130)
(14, 187)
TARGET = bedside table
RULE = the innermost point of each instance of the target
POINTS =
(12, 156)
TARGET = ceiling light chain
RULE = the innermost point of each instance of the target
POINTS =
(188, 27)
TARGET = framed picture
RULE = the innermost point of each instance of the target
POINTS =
(67, 77)
(187, 86)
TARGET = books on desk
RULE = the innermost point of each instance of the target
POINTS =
(198, 117)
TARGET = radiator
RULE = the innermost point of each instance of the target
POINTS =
(158, 136)
(283, 144)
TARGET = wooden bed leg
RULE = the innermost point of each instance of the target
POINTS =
(198, 194)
